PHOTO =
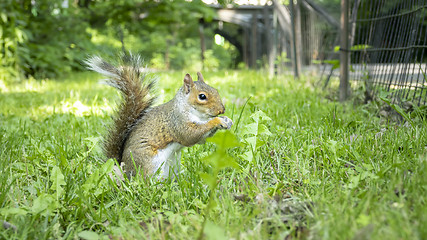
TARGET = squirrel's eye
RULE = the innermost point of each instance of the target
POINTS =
(202, 96)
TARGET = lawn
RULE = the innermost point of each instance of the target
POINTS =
(295, 165)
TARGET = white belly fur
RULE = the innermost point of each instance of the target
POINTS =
(167, 161)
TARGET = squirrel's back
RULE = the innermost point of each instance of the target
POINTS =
(135, 87)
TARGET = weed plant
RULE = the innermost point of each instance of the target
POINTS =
(295, 165)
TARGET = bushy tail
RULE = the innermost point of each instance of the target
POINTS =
(135, 87)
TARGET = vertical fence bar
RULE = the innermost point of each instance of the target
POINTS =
(344, 53)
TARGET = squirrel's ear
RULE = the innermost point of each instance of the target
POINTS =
(188, 83)
(200, 77)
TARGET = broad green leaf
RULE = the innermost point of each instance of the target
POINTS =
(251, 141)
(260, 116)
(248, 155)
(214, 231)
(44, 202)
(263, 130)
(93, 143)
(333, 146)
(354, 182)
(227, 161)
(57, 179)
(213, 158)
(107, 167)
(225, 139)
(208, 179)
(13, 211)
(251, 128)
(91, 182)
(212, 203)
(88, 235)
(259, 143)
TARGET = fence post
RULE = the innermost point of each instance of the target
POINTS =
(295, 57)
(344, 53)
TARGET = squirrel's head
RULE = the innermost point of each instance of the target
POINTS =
(202, 97)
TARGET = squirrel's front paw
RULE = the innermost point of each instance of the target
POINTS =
(226, 122)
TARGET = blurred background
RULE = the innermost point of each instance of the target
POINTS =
(44, 38)
(383, 42)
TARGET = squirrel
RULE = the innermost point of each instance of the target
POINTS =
(149, 138)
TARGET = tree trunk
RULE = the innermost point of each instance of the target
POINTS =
(202, 42)
(344, 54)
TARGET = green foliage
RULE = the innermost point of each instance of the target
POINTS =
(48, 39)
(88, 235)
(219, 160)
(318, 169)
(254, 135)
(13, 22)
(58, 181)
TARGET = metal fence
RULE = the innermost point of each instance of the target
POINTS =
(388, 52)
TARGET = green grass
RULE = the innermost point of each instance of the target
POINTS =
(308, 168)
